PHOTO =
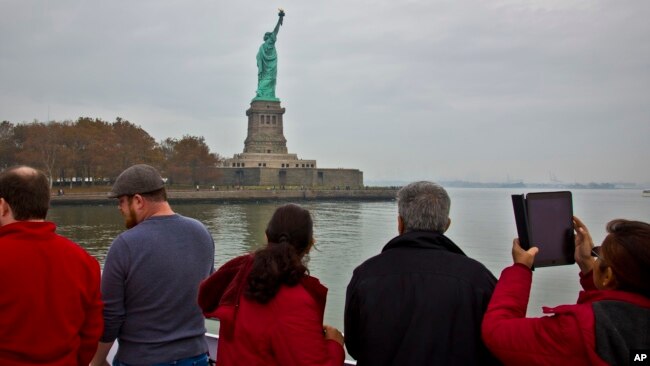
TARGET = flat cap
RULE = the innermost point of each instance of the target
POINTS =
(137, 179)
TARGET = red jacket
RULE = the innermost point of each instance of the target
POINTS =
(565, 338)
(50, 301)
(286, 331)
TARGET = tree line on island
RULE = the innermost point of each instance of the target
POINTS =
(94, 152)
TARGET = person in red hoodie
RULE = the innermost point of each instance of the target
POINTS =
(609, 323)
(270, 309)
(50, 300)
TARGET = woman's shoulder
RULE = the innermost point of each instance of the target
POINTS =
(309, 291)
(243, 258)
(237, 262)
(293, 293)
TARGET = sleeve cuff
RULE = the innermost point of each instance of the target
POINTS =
(520, 265)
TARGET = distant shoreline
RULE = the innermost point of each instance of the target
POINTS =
(233, 196)
(269, 195)
(521, 184)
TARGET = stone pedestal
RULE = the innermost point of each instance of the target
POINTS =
(267, 162)
(265, 145)
(265, 129)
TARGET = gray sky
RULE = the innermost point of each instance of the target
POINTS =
(403, 90)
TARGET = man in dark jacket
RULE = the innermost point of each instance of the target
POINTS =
(421, 301)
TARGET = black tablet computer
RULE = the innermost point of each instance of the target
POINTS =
(545, 220)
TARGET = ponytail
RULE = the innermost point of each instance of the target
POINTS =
(280, 263)
(274, 266)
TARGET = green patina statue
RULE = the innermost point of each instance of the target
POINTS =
(267, 64)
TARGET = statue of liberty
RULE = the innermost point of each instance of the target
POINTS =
(267, 64)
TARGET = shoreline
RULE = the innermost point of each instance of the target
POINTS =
(233, 196)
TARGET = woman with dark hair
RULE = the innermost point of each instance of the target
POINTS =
(270, 309)
(609, 321)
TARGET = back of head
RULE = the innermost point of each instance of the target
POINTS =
(139, 179)
(423, 206)
(27, 191)
(627, 250)
(290, 224)
(289, 234)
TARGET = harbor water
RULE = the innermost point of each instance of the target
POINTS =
(349, 232)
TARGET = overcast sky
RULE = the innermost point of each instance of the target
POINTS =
(402, 90)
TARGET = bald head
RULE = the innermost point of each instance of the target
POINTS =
(23, 171)
(26, 191)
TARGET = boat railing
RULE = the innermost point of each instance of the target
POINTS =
(212, 340)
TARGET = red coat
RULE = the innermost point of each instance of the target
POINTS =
(50, 301)
(286, 331)
(565, 338)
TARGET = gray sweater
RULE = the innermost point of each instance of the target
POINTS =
(150, 286)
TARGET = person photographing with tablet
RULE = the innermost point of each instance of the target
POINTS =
(609, 324)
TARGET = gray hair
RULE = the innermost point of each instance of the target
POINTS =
(423, 206)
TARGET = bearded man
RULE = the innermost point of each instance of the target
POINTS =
(151, 276)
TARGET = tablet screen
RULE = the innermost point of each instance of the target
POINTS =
(550, 225)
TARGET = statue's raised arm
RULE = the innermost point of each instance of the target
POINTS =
(267, 64)
(277, 26)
